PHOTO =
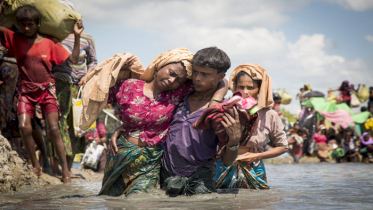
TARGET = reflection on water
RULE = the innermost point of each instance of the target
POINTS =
(303, 186)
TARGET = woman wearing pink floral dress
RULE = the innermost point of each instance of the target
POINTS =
(146, 108)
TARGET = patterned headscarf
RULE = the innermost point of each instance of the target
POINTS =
(256, 72)
(172, 56)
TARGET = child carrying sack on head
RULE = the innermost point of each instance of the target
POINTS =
(36, 54)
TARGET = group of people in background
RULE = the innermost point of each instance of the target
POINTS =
(314, 135)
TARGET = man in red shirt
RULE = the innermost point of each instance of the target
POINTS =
(36, 54)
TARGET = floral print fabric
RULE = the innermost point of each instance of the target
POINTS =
(152, 117)
(133, 169)
(241, 175)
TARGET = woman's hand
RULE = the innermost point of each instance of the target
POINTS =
(248, 157)
(113, 149)
(232, 127)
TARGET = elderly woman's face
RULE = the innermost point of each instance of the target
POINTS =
(248, 85)
(170, 77)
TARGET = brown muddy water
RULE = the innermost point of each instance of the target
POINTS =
(293, 186)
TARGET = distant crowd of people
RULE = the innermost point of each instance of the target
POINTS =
(316, 135)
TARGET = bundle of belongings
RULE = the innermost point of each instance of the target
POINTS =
(247, 110)
(57, 19)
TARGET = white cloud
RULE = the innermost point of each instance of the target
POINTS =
(209, 13)
(356, 5)
(246, 30)
(238, 43)
(308, 52)
(369, 38)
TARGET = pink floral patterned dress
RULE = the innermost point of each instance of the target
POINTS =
(152, 117)
(135, 169)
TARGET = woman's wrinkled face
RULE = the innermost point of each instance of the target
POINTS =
(248, 85)
(366, 137)
(170, 77)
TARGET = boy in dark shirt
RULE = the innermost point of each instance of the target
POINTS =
(36, 54)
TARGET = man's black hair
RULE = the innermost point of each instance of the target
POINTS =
(212, 57)
(28, 13)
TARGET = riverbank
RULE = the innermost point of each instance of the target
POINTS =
(15, 173)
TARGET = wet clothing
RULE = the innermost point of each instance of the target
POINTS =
(152, 117)
(34, 60)
(45, 96)
(270, 125)
(29, 107)
(133, 169)
(200, 182)
(241, 175)
(187, 149)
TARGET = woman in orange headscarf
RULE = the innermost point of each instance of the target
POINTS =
(254, 81)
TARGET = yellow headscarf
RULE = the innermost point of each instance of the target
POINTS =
(256, 72)
(308, 86)
(172, 56)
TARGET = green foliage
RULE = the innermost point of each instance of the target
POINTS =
(289, 116)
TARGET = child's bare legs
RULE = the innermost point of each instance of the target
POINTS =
(55, 136)
(26, 134)
(37, 134)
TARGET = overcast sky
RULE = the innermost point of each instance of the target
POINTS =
(320, 42)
